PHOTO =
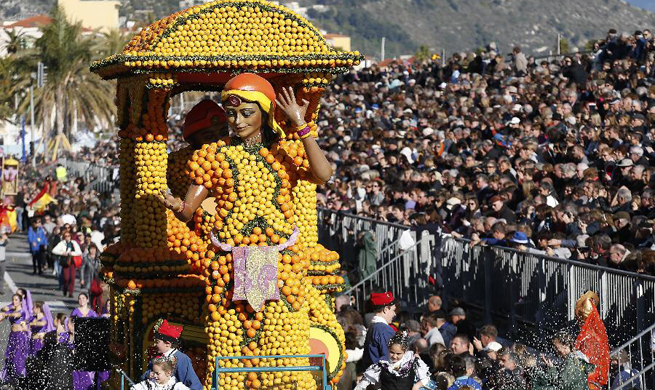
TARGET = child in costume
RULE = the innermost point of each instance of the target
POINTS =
(403, 370)
(167, 339)
(161, 377)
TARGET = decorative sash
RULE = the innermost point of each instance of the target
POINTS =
(255, 270)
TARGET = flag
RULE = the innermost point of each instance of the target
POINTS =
(42, 200)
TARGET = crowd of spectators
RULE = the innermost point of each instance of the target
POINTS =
(549, 156)
(458, 354)
(74, 210)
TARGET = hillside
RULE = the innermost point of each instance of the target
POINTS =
(450, 24)
(469, 24)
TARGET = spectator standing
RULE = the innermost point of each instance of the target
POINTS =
(463, 325)
(90, 266)
(520, 62)
(68, 250)
(38, 241)
(457, 366)
(379, 333)
(431, 331)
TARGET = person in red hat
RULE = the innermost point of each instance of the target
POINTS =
(376, 346)
(206, 123)
(167, 341)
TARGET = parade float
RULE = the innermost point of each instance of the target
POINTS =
(165, 269)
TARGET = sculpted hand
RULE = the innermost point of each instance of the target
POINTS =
(294, 111)
(169, 201)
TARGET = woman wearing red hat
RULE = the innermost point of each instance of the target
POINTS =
(251, 179)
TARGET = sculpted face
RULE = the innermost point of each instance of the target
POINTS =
(245, 120)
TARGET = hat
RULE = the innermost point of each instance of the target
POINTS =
(494, 346)
(517, 107)
(622, 215)
(626, 162)
(375, 106)
(382, 299)
(520, 238)
(515, 121)
(453, 201)
(458, 311)
(168, 332)
(204, 114)
(581, 241)
(639, 116)
(408, 111)
(428, 131)
(256, 89)
(512, 89)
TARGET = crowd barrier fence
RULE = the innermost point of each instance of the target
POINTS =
(524, 289)
(101, 179)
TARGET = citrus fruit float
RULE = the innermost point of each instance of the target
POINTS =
(258, 199)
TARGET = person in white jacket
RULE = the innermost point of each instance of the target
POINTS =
(161, 377)
(69, 253)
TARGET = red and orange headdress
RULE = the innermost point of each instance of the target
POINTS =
(255, 89)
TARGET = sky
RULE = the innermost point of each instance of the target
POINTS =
(646, 4)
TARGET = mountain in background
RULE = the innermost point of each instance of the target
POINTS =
(463, 25)
(450, 25)
(645, 4)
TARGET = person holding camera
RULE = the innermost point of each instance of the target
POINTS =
(69, 256)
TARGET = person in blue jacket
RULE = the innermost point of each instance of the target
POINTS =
(380, 332)
(167, 338)
(38, 240)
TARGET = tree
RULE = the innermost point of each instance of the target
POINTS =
(71, 91)
(564, 46)
(423, 53)
(15, 41)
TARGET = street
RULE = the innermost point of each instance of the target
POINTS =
(43, 287)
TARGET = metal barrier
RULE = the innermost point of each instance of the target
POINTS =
(101, 179)
(639, 365)
(398, 275)
(218, 369)
(522, 290)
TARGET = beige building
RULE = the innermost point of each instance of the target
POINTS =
(338, 41)
(93, 14)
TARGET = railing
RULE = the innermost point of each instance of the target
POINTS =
(315, 368)
(639, 355)
(398, 275)
(523, 292)
(337, 230)
(101, 179)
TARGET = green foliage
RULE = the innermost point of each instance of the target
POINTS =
(564, 45)
(423, 53)
(71, 91)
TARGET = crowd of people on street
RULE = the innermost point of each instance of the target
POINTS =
(551, 156)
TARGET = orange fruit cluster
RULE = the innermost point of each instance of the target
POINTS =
(198, 356)
(178, 172)
(322, 314)
(178, 304)
(151, 263)
(186, 242)
(229, 34)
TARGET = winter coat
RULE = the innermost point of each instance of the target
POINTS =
(572, 374)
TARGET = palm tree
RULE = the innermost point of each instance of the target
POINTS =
(16, 41)
(71, 90)
(108, 43)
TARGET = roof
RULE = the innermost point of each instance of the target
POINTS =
(328, 36)
(34, 21)
(225, 35)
